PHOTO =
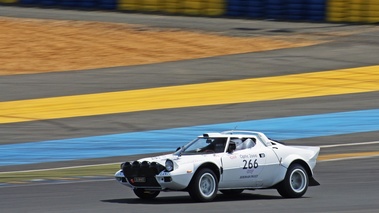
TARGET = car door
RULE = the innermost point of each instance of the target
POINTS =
(242, 168)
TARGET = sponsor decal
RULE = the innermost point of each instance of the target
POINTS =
(248, 176)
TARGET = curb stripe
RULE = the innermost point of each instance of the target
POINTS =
(151, 141)
(338, 82)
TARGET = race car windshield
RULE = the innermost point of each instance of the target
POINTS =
(204, 146)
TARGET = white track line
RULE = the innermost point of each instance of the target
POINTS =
(349, 144)
(348, 158)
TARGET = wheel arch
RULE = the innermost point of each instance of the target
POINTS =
(213, 167)
(293, 159)
(304, 165)
(210, 166)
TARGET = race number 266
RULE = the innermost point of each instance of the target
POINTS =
(250, 164)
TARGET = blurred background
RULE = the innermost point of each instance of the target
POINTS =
(353, 11)
(88, 84)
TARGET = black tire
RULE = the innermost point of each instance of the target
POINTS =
(146, 194)
(231, 192)
(295, 183)
(204, 186)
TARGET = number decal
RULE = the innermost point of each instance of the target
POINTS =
(250, 164)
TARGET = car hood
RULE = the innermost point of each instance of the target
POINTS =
(183, 159)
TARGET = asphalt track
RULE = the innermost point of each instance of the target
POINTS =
(347, 185)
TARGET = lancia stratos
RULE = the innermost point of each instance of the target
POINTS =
(229, 162)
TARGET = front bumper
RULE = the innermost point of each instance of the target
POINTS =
(156, 178)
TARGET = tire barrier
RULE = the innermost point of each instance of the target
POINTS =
(353, 11)
(348, 11)
(183, 7)
(8, 1)
(295, 10)
(71, 4)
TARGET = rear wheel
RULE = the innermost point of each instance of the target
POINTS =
(295, 183)
(204, 186)
(146, 194)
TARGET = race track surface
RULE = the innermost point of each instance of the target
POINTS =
(347, 185)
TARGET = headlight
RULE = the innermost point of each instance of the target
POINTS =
(169, 165)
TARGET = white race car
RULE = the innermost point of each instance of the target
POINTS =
(229, 162)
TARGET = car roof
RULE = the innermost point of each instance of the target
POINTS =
(239, 134)
(233, 133)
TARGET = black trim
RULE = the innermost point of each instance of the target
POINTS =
(142, 169)
(313, 182)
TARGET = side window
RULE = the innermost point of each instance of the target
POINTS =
(247, 143)
(219, 145)
(213, 145)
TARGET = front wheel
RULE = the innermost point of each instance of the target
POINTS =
(204, 186)
(295, 183)
(145, 194)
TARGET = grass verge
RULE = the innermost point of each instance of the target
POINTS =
(59, 173)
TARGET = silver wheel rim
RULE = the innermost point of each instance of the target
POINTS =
(207, 185)
(298, 180)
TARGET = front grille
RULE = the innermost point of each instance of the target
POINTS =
(167, 179)
(142, 170)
